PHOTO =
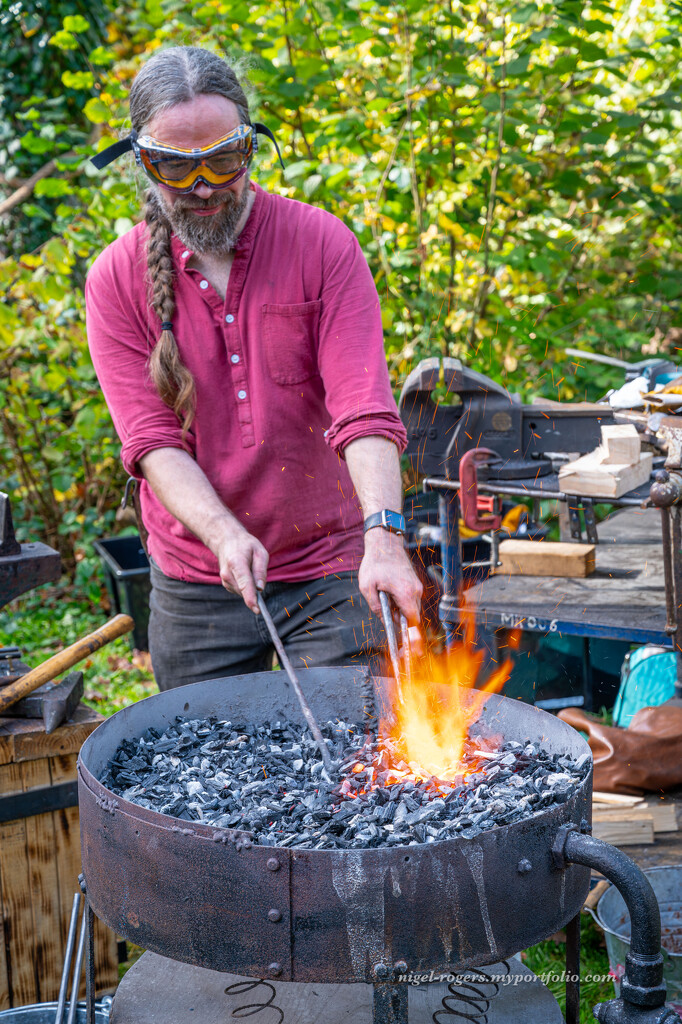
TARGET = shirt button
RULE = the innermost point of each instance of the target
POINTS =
(203, 284)
(185, 254)
(234, 358)
(229, 318)
(241, 394)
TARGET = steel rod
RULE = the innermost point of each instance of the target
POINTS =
(389, 626)
(407, 649)
(68, 955)
(90, 990)
(573, 971)
(77, 968)
(293, 679)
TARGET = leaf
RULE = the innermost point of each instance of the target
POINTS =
(514, 69)
(97, 111)
(78, 79)
(64, 40)
(52, 187)
(76, 23)
(100, 55)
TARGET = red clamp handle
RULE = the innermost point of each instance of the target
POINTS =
(468, 491)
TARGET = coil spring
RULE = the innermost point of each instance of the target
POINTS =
(474, 995)
(249, 1009)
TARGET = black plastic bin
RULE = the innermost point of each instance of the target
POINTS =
(126, 570)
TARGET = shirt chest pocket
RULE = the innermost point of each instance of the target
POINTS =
(290, 337)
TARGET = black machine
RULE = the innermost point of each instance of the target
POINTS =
(479, 413)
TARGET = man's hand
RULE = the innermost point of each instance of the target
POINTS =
(182, 487)
(386, 566)
(243, 564)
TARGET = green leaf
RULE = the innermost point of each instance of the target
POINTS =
(64, 40)
(78, 79)
(515, 68)
(96, 111)
(100, 55)
(76, 23)
(35, 144)
(52, 187)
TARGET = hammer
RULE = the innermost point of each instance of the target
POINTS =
(58, 702)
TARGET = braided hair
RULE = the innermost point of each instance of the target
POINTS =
(171, 76)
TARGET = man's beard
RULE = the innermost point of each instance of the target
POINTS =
(213, 235)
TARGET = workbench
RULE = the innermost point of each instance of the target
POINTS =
(624, 599)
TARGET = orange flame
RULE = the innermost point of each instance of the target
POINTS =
(439, 705)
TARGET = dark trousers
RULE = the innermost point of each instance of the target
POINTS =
(201, 631)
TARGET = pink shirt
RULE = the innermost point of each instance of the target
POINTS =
(289, 369)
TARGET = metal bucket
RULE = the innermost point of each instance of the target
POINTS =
(45, 1013)
(613, 918)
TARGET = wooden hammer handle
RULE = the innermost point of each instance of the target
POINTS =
(66, 659)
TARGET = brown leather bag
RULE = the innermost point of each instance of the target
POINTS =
(647, 756)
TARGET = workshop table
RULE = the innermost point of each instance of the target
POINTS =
(624, 599)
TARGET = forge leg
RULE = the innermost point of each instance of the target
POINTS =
(390, 1004)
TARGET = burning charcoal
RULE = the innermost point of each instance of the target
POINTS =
(269, 780)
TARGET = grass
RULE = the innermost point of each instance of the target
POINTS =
(50, 618)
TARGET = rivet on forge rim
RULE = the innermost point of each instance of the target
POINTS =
(274, 915)
(273, 864)
(400, 966)
(524, 866)
(275, 969)
(380, 971)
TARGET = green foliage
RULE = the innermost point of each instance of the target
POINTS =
(510, 169)
(42, 623)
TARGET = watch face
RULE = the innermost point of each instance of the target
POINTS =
(393, 521)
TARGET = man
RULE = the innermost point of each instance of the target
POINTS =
(237, 338)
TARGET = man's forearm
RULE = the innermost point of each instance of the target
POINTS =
(183, 488)
(374, 467)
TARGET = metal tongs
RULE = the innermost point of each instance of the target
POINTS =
(401, 670)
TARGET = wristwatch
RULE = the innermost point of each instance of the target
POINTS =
(394, 522)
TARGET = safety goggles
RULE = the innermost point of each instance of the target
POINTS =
(180, 170)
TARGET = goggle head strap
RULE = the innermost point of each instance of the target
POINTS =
(112, 152)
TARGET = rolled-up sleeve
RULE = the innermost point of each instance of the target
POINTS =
(351, 355)
(120, 342)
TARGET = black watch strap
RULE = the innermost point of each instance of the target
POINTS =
(388, 519)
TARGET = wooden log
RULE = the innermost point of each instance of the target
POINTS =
(545, 558)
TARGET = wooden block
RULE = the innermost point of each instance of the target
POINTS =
(592, 477)
(664, 817)
(621, 444)
(545, 558)
(639, 831)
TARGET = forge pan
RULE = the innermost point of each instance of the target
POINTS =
(198, 894)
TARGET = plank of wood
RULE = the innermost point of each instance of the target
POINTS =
(545, 558)
(592, 477)
(621, 799)
(67, 845)
(68, 859)
(621, 444)
(29, 741)
(664, 813)
(42, 872)
(663, 817)
(17, 915)
(636, 832)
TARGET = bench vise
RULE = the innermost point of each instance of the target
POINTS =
(476, 412)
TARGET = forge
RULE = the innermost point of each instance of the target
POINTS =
(220, 898)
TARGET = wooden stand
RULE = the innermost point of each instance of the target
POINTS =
(40, 860)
